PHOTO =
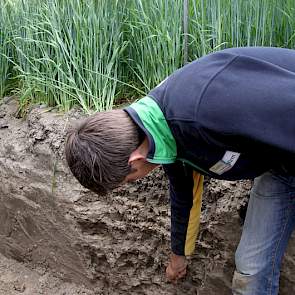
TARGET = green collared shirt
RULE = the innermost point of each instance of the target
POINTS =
(149, 117)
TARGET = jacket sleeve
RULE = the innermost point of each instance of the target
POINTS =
(186, 187)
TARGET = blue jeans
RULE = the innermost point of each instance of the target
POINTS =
(268, 226)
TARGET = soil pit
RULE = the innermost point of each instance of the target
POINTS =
(58, 238)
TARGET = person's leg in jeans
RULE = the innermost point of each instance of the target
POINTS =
(268, 226)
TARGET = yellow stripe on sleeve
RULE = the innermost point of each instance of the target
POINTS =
(194, 218)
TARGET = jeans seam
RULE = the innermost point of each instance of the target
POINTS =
(276, 249)
(272, 195)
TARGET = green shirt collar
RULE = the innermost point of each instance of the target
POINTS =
(149, 117)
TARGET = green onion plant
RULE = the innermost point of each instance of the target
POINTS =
(96, 53)
(154, 32)
(6, 29)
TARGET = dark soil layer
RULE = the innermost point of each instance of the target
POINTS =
(58, 238)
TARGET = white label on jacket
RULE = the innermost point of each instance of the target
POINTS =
(226, 163)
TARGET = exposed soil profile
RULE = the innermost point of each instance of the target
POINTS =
(58, 238)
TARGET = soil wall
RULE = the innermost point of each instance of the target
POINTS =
(117, 244)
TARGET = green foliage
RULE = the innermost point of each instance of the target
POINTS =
(6, 50)
(218, 24)
(154, 29)
(91, 53)
(68, 51)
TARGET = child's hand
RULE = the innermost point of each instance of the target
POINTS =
(176, 268)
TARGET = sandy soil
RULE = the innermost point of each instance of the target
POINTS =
(58, 238)
(17, 279)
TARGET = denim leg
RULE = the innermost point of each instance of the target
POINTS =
(268, 226)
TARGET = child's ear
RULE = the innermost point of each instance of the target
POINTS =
(136, 155)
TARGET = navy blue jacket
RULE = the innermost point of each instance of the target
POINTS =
(229, 115)
(241, 100)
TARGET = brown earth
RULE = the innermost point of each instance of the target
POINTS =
(58, 238)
